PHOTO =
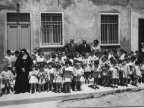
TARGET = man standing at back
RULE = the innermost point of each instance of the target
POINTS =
(84, 47)
(71, 48)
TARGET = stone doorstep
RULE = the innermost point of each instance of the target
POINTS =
(69, 96)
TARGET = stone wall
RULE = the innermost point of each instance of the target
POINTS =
(81, 20)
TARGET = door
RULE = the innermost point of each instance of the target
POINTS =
(141, 32)
(18, 34)
(12, 37)
(24, 37)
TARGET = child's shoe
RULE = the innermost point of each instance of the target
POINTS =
(75, 89)
(85, 81)
(59, 91)
(88, 81)
(11, 92)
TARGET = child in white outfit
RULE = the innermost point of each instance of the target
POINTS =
(33, 80)
(7, 77)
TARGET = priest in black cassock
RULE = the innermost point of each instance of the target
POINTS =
(84, 47)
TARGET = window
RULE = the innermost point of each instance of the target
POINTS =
(18, 17)
(51, 29)
(109, 29)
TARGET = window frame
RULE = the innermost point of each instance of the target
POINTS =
(52, 46)
(109, 44)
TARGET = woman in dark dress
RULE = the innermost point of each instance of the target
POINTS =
(23, 65)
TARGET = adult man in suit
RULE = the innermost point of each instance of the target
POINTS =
(71, 48)
(84, 47)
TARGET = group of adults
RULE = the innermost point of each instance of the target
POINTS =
(72, 47)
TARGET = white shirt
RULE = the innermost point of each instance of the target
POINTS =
(9, 60)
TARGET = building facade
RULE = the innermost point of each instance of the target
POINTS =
(49, 24)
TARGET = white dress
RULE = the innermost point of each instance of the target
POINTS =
(33, 77)
(68, 71)
(87, 63)
(57, 76)
(51, 73)
(92, 59)
(96, 48)
(78, 74)
(115, 74)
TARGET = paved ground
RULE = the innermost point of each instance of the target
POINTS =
(124, 99)
(50, 98)
(51, 104)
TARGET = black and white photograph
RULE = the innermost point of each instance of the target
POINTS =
(71, 53)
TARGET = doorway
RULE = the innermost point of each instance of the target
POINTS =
(18, 31)
(141, 32)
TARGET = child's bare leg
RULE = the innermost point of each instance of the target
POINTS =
(39, 87)
(123, 81)
(69, 86)
(34, 88)
(113, 83)
(75, 85)
(66, 87)
(141, 80)
(48, 86)
(85, 78)
(9, 87)
(42, 87)
(136, 81)
(116, 82)
(56, 87)
(80, 84)
(88, 77)
(126, 82)
(60, 87)
(51, 83)
(97, 83)
(0, 89)
(31, 88)
(94, 83)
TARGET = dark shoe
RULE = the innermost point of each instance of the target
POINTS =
(0, 94)
(88, 81)
(97, 87)
(59, 91)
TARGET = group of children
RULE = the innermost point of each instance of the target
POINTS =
(60, 72)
